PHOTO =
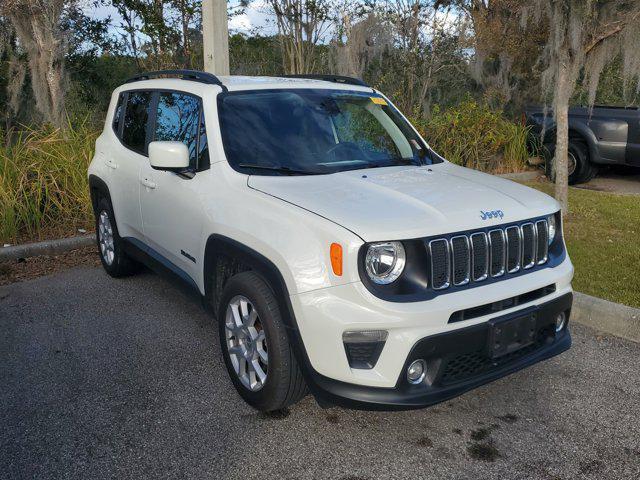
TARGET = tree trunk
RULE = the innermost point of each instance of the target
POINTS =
(561, 113)
(186, 50)
(39, 34)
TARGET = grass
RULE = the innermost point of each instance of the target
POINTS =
(602, 234)
(43, 183)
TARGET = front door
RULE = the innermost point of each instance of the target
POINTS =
(171, 213)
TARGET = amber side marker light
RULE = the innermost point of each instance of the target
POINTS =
(336, 258)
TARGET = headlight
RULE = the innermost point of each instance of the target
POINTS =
(551, 221)
(384, 262)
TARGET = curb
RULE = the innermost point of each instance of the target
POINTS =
(48, 247)
(605, 316)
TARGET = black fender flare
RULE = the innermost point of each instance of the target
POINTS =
(219, 245)
(582, 130)
(97, 187)
(576, 130)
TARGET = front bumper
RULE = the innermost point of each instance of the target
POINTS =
(457, 363)
(322, 316)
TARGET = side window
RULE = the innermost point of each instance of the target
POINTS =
(178, 120)
(117, 114)
(136, 116)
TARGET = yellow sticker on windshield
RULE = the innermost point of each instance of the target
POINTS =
(378, 100)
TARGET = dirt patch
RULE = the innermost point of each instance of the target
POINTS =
(485, 452)
(483, 433)
(424, 442)
(590, 466)
(333, 418)
(275, 415)
(481, 446)
(480, 434)
(508, 418)
(29, 268)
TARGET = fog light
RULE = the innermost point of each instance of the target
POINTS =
(561, 320)
(416, 372)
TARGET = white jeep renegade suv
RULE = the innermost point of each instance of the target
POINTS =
(339, 253)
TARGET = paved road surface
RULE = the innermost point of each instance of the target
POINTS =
(103, 378)
(616, 180)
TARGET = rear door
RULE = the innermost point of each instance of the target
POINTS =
(126, 160)
(171, 210)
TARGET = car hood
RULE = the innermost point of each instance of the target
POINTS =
(409, 201)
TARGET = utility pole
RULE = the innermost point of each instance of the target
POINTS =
(215, 36)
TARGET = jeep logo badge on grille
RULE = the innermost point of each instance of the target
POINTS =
(491, 214)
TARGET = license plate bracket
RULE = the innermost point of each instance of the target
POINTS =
(506, 335)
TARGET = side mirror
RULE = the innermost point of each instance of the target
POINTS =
(172, 156)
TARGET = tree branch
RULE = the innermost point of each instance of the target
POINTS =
(614, 29)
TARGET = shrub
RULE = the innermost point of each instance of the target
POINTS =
(473, 135)
(43, 182)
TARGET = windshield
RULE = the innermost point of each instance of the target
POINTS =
(291, 132)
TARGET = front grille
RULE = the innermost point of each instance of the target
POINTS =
(440, 263)
(514, 249)
(542, 250)
(497, 250)
(480, 256)
(461, 259)
(529, 246)
(477, 256)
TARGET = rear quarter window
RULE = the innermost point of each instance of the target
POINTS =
(117, 115)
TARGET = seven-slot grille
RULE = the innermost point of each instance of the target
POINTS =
(477, 256)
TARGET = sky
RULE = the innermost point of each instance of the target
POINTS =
(254, 16)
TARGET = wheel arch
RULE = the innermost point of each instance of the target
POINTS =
(578, 130)
(225, 257)
(220, 246)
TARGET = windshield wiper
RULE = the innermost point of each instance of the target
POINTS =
(406, 161)
(281, 169)
(396, 161)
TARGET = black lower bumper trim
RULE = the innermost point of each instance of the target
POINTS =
(457, 361)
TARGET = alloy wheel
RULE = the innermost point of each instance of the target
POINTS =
(572, 163)
(246, 343)
(105, 237)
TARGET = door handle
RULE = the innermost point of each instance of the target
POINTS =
(148, 183)
(111, 164)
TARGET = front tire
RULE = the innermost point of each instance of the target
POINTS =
(255, 346)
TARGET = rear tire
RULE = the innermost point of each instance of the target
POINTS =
(584, 170)
(110, 245)
(581, 170)
(255, 346)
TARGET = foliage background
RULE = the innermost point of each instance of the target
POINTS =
(462, 70)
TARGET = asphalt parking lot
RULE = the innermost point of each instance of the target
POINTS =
(616, 180)
(103, 378)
